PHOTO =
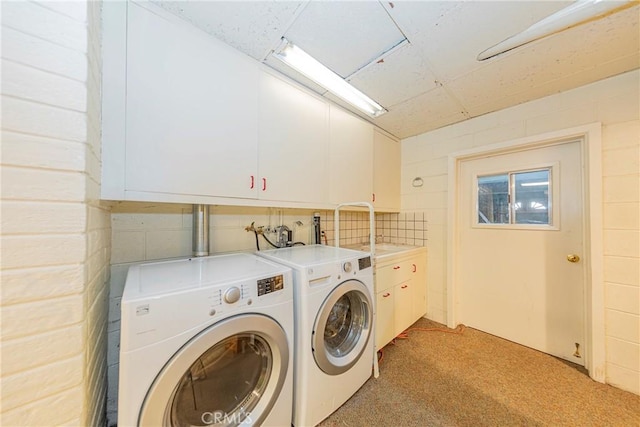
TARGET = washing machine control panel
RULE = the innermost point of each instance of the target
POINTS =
(232, 295)
(364, 263)
(270, 284)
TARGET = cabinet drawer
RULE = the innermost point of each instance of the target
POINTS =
(393, 274)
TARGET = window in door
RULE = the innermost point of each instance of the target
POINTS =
(515, 198)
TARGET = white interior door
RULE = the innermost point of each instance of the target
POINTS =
(520, 228)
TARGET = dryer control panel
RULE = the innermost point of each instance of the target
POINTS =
(270, 284)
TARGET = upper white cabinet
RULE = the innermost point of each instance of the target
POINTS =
(386, 173)
(293, 143)
(351, 157)
(191, 112)
(188, 119)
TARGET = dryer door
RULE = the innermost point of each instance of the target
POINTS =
(342, 327)
(229, 374)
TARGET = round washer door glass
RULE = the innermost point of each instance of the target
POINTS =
(342, 328)
(224, 384)
(229, 374)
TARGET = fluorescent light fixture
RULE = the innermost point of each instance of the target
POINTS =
(534, 184)
(304, 63)
(577, 13)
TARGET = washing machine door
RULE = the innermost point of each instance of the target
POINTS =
(229, 374)
(342, 327)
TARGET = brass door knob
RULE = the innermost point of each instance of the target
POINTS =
(573, 258)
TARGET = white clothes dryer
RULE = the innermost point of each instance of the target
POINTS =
(333, 299)
(207, 341)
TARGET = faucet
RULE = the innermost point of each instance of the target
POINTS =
(283, 236)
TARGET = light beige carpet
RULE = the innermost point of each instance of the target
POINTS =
(476, 379)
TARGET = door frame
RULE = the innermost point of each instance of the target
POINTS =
(590, 140)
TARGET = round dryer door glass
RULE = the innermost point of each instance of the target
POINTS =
(229, 374)
(342, 327)
(224, 384)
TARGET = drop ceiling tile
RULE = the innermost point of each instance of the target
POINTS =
(428, 111)
(344, 35)
(402, 75)
(453, 41)
(556, 63)
(415, 17)
(253, 27)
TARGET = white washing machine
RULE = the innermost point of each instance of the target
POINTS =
(333, 299)
(207, 341)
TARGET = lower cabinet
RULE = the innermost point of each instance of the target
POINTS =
(385, 310)
(403, 306)
(401, 291)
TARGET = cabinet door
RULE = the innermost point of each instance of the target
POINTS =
(419, 280)
(191, 121)
(385, 330)
(403, 305)
(386, 173)
(351, 157)
(293, 143)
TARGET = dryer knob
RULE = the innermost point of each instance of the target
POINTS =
(347, 267)
(232, 295)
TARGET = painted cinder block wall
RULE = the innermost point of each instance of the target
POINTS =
(55, 232)
(615, 103)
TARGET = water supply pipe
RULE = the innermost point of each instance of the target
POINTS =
(316, 228)
(200, 239)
